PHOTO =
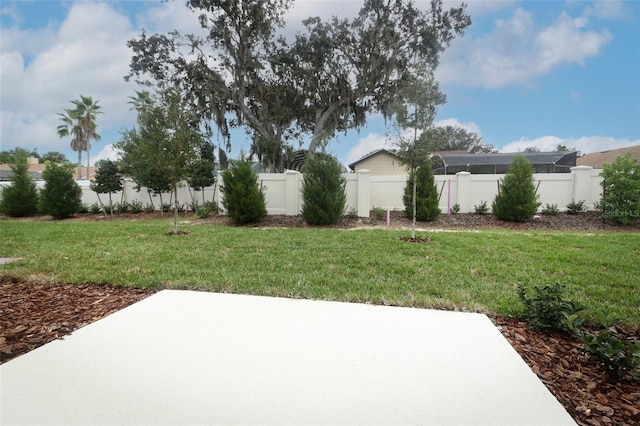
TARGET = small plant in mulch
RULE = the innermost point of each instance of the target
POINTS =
(575, 207)
(550, 210)
(379, 213)
(481, 208)
(619, 354)
(546, 307)
(172, 233)
(416, 239)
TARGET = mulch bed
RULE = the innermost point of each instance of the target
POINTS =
(584, 386)
(33, 313)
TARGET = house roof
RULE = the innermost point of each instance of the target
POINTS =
(597, 159)
(505, 159)
(36, 171)
(372, 154)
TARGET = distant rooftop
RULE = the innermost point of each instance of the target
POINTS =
(597, 159)
(542, 162)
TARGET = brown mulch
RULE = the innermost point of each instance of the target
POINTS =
(584, 386)
(587, 221)
(33, 313)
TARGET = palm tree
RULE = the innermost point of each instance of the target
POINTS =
(69, 128)
(142, 102)
(80, 123)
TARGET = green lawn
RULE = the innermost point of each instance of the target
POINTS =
(468, 270)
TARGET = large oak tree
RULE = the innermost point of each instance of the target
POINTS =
(244, 72)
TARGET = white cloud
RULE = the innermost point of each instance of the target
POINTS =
(480, 7)
(169, 16)
(367, 144)
(109, 152)
(85, 55)
(584, 144)
(469, 127)
(517, 51)
(609, 9)
(566, 42)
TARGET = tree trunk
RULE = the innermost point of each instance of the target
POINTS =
(175, 209)
(151, 200)
(88, 157)
(102, 205)
(79, 164)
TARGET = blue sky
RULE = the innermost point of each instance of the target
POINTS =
(527, 73)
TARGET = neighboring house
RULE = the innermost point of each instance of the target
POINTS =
(35, 171)
(498, 163)
(380, 162)
(597, 159)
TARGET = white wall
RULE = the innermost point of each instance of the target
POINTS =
(365, 192)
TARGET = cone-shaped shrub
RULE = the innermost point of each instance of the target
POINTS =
(243, 200)
(517, 200)
(426, 195)
(21, 198)
(61, 196)
(323, 191)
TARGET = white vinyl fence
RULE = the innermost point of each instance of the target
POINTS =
(365, 192)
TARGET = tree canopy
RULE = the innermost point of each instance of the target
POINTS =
(244, 72)
(453, 138)
(17, 155)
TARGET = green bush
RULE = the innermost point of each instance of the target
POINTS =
(619, 354)
(121, 208)
(205, 210)
(455, 209)
(550, 209)
(21, 198)
(621, 190)
(546, 307)
(61, 196)
(323, 191)
(95, 208)
(136, 206)
(575, 207)
(242, 197)
(426, 195)
(517, 200)
(481, 208)
(379, 213)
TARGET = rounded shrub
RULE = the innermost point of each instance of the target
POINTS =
(323, 191)
(61, 196)
(427, 208)
(242, 198)
(517, 200)
(621, 190)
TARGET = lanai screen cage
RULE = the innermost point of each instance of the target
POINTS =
(498, 163)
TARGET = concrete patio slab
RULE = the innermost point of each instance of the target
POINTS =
(186, 358)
